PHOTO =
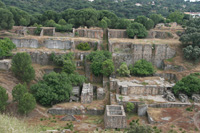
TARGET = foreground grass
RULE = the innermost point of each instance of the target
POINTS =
(10, 124)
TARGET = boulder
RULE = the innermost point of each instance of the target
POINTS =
(183, 98)
(68, 118)
(169, 96)
(196, 98)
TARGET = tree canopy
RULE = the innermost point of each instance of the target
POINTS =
(6, 46)
(188, 85)
(21, 67)
(55, 87)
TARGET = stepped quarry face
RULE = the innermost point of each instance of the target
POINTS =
(131, 50)
(94, 103)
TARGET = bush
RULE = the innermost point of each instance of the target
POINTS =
(3, 98)
(135, 127)
(143, 68)
(6, 46)
(60, 59)
(191, 53)
(97, 58)
(136, 29)
(123, 70)
(130, 107)
(26, 103)
(18, 91)
(188, 85)
(55, 87)
(21, 67)
(65, 61)
(83, 46)
(107, 67)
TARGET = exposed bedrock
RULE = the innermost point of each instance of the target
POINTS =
(54, 43)
(130, 53)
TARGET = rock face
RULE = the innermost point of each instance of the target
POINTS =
(183, 98)
(68, 118)
(5, 64)
(196, 98)
(115, 117)
(87, 93)
(89, 33)
(55, 43)
(130, 53)
(117, 33)
(100, 93)
(169, 96)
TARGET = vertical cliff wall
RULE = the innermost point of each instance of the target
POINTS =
(130, 53)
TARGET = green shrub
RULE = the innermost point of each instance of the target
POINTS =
(55, 87)
(21, 67)
(108, 67)
(6, 46)
(97, 58)
(83, 46)
(18, 91)
(3, 98)
(26, 103)
(188, 85)
(123, 70)
(143, 68)
(65, 61)
(130, 107)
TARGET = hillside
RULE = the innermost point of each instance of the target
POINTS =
(10, 124)
(125, 9)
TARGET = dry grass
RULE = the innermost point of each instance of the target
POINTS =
(10, 124)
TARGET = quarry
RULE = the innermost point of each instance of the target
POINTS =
(101, 103)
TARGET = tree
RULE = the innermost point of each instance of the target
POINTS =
(18, 91)
(136, 29)
(50, 23)
(103, 24)
(20, 17)
(62, 22)
(108, 67)
(188, 85)
(149, 25)
(191, 53)
(26, 103)
(176, 17)
(123, 23)
(6, 46)
(6, 19)
(21, 67)
(123, 70)
(143, 68)
(157, 18)
(83, 46)
(3, 98)
(130, 107)
(69, 67)
(55, 87)
(97, 58)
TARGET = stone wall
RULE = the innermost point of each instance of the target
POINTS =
(54, 43)
(90, 76)
(159, 34)
(89, 33)
(63, 111)
(134, 88)
(117, 33)
(130, 53)
(115, 117)
(87, 93)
